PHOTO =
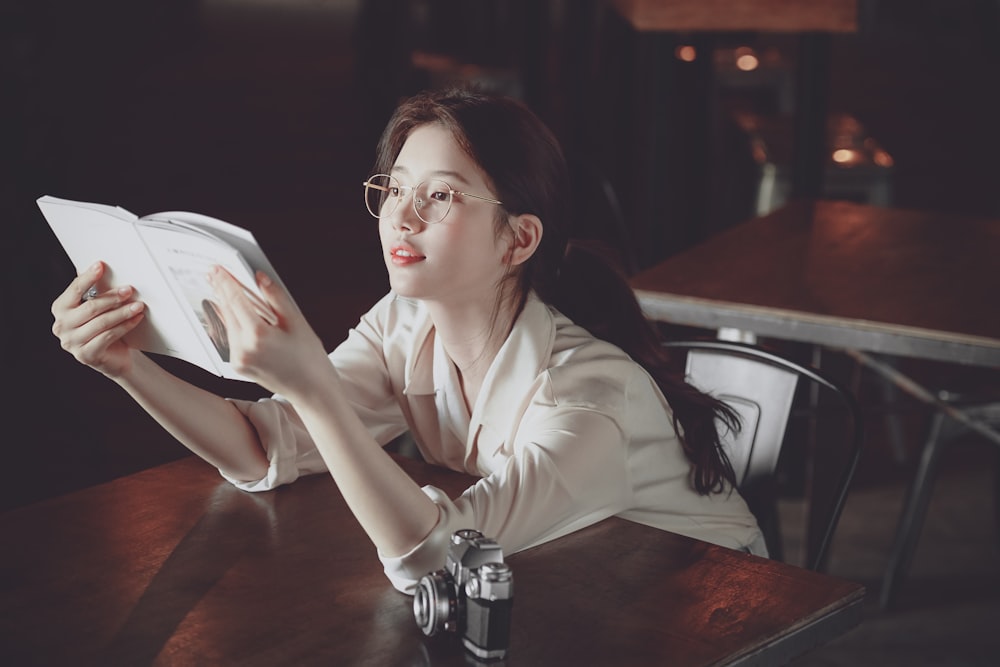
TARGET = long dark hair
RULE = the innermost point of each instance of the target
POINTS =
(525, 167)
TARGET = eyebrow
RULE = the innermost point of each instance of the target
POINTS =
(441, 173)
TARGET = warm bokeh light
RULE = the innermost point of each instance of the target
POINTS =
(882, 159)
(845, 155)
(746, 59)
(686, 52)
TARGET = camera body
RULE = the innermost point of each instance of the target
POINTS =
(472, 596)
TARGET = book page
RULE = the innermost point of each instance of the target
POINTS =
(91, 232)
(185, 258)
(237, 237)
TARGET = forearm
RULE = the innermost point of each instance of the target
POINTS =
(391, 507)
(207, 424)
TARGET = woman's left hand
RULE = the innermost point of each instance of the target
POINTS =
(286, 357)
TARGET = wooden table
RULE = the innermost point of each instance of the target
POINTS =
(848, 276)
(173, 566)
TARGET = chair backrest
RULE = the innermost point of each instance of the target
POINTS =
(760, 386)
(760, 394)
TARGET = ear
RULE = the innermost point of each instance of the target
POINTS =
(527, 235)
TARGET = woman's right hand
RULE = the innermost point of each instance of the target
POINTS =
(92, 330)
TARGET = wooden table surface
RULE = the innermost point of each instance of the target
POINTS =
(173, 566)
(907, 283)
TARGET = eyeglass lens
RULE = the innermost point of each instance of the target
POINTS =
(431, 198)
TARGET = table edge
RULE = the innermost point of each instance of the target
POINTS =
(845, 333)
(827, 624)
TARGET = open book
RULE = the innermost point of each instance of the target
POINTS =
(167, 258)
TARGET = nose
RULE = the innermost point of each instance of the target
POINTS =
(405, 216)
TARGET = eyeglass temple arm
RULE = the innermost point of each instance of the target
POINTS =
(486, 199)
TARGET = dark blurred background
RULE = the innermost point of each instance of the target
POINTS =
(266, 114)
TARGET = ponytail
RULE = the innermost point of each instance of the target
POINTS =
(597, 296)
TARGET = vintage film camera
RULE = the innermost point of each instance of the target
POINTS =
(472, 596)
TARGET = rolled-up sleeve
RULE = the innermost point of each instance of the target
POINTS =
(567, 472)
(289, 448)
(361, 364)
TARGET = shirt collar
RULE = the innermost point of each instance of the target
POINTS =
(521, 358)
(418, 378)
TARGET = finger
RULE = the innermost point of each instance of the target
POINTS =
(69, 321)
(91, 307)
(73, 294)
(277, 297)
(101, 333)
(236, 308)
(107, 327)
(243, 294)
(263, 308)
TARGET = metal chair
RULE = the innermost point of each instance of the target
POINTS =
(760, 386)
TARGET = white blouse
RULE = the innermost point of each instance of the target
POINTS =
(567, 430)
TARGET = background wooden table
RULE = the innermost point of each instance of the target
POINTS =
(849, 276)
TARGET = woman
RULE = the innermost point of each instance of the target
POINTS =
(469, 352)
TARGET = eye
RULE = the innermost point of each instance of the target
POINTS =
(394, 191)
(440, 195)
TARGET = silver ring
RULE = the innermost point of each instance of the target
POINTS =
(89, 294)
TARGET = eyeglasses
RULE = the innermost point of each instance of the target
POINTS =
(431, 198)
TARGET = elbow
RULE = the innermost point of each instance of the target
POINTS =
(246, 469)
(251, 471)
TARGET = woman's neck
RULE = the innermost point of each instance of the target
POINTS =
(471, 337)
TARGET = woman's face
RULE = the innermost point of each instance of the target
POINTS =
(459, 260)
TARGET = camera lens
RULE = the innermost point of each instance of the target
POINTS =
(434, 604)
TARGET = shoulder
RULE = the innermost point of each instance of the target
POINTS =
(576, 351)
(394, 317)
(394, 329)
(393, 307)
(585, 371)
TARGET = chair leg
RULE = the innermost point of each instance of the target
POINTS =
(914, 510)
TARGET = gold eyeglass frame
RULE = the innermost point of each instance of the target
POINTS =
(413, 200)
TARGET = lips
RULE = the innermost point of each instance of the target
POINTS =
(402, 254)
